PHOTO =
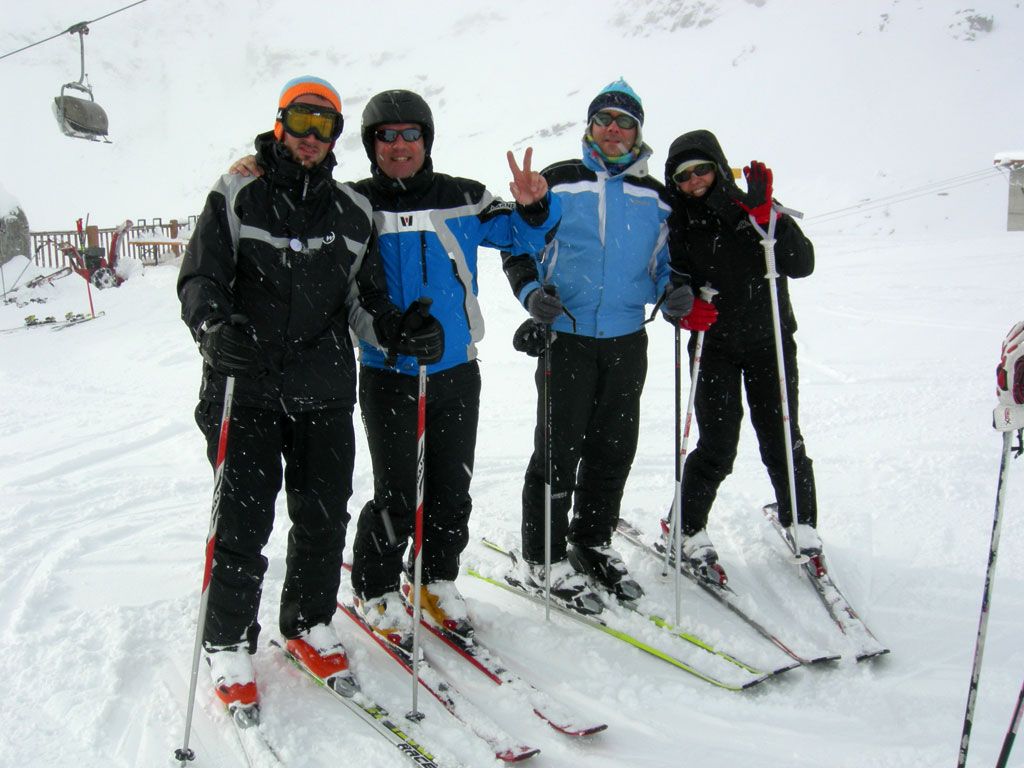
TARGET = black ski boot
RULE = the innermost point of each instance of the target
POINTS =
(605, 566)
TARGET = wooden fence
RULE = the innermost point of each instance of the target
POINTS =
(149, 241)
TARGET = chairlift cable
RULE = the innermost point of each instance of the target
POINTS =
(74, 28)
(908, 194)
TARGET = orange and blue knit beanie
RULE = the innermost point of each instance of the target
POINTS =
(300, 86)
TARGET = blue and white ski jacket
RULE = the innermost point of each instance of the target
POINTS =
(430, 228)
(609, 257)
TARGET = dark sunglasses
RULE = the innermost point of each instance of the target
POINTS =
(698, 170)
(301, 120)
(390, 135)
(604, 119)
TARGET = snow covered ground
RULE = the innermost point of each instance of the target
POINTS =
(105, 491)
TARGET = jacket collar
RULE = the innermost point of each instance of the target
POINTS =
(285, 172)
(637, 168)
(404, 188)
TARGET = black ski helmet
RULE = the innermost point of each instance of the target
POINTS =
(396, 107)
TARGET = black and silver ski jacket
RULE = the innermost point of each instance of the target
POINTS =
(296, 253)
(712, 241)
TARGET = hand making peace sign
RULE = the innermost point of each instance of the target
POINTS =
(527, 186)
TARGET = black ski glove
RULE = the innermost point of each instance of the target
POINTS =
(529, 338)
(411, 333)
(230, 349)
(544, 305)
(678, 303)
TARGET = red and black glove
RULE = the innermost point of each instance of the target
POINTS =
(701, 317)
(758, 199)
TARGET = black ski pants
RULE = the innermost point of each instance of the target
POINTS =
(388, 401)
(719, 410)
(318, 448)
(595, 418)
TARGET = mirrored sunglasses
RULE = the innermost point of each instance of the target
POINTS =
(604, 119)
(679, 177)
(301, 120)
(390, 135)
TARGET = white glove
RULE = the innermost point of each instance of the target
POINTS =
(1010, 382)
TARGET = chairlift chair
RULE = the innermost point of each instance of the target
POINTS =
(77, 117)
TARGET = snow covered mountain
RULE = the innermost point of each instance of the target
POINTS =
(888, 112)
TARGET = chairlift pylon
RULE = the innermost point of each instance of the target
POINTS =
(78, 118)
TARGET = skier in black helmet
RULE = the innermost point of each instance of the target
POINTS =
(430, 227)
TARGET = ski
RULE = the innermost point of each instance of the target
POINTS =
(51, 322)
(258, 751)
(504, 746)
(31, 321)
(487, 663)
(72, 318)
(754, 676)
(722, 594)
(371, 713)
(835, 602)
(640, 609)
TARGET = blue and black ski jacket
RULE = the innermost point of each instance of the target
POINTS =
(430, 227)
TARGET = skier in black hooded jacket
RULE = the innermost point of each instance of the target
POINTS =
(296, 255)
(712, 242)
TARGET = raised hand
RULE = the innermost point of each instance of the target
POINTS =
(758, 200)
(527, 186)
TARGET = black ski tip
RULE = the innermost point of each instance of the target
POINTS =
(872, 655)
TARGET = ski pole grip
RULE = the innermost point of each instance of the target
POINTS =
(707, 293)
(550, 290)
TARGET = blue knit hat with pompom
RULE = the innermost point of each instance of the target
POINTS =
(618, 96)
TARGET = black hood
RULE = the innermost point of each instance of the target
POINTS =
(692, 145)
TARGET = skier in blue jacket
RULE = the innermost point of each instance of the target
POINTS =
(430, 228)
(606, 263)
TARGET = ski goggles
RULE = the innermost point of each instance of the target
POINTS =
(703, 169)
(390, 135)
(301, 120)
(604, 119)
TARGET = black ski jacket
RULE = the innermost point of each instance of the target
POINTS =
(712, 241)
(296, 253)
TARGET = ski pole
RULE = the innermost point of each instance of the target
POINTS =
(768, 243)
(184, 754)
(707, 293)
(979, 644)
(1011, 734)
(547, 464)
(421, 439)
(673, 517)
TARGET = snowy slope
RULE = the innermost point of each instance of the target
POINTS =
(105, 492)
